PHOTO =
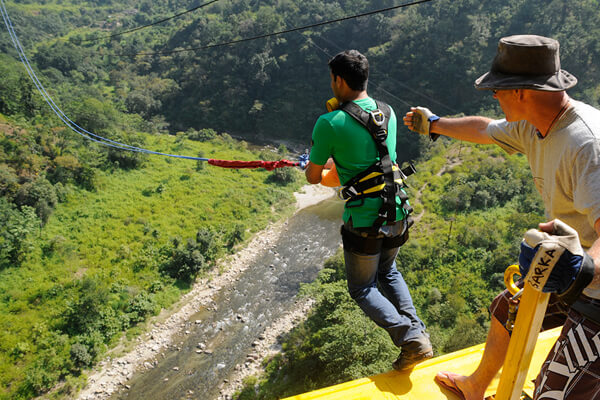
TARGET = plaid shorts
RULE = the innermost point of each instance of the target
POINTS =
(572, 368)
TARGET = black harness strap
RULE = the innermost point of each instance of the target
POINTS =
(376, 123)
(370, 244)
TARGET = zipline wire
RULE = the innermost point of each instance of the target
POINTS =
(111, 143)
(63, 117)
(300, 28)
(150, 24)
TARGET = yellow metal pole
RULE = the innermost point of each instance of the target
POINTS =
(522, 343)
(530, 315)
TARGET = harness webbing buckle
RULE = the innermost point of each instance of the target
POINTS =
(377, 116)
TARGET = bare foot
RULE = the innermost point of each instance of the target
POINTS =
(459, 385)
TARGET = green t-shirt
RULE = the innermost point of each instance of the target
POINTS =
(338, 135)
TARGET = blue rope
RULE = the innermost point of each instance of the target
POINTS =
(63, 117)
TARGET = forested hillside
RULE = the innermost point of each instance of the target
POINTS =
(94, 240)
(273, 88)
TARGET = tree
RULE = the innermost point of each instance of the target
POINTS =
(16, 228)
(39, 194)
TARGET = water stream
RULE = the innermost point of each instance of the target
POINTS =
(242, 312)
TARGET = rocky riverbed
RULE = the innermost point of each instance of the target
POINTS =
(165, 331)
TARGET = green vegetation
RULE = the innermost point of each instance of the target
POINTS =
(275, 87)
(94, 240)
(89, 252)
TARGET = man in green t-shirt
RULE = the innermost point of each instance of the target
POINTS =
(341, 140)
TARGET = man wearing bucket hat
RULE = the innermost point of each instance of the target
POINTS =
(561, 139)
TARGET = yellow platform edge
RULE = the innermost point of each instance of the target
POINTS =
(419, 384)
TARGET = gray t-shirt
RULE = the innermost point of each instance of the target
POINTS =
(565, 165)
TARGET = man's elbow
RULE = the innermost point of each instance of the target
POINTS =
(313, 173)
(312, 179)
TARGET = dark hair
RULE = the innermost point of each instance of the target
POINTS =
(353, 67)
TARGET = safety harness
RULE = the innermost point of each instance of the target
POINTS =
(383, 180)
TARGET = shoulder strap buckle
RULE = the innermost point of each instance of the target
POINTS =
(378, 117)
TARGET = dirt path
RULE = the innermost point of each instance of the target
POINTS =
(453, 161)
(113, 372)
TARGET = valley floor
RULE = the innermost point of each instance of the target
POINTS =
(113, 372)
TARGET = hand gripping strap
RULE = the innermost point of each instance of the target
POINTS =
(543, 263)
(551, 248)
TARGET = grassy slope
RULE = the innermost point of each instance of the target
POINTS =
(113, 232)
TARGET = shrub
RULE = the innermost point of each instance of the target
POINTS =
(80, 356)
(39, 194)
(20, 350)
(283, 176)
(185, 262)
(16, 228)
(200, 164)
(8, 182)
(202, 135)
(86, 178)
(89, 312)
(64, 169)
(51, 363)
(208, 244)
(235, 236)
(140, 307)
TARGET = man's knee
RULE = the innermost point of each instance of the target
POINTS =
(499, 307)
(358, 293)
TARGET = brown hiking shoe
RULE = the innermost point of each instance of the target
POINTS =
(413, 352)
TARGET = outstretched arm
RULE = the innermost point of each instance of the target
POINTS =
(470, 129)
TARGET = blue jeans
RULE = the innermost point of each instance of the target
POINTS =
(393, 310)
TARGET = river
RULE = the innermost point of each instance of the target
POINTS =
(242, 312)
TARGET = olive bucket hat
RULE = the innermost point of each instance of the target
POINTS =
(526, 62)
